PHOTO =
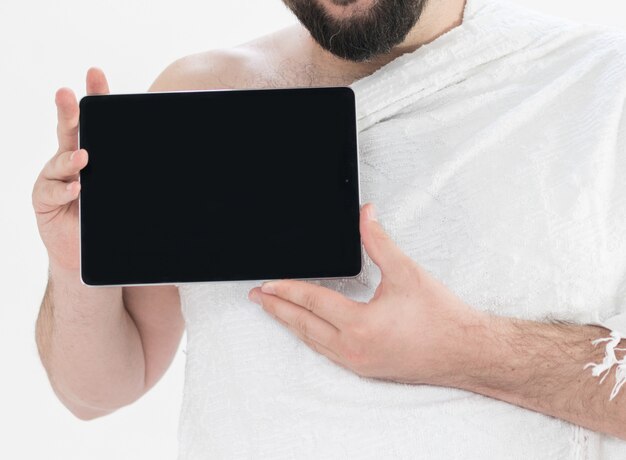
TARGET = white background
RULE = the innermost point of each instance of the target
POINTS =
(48, 44)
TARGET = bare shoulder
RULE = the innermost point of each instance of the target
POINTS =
(207, 70)
(252, 64)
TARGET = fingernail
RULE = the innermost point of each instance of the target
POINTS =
(268, 287)
(69, 186)
(371, 213)
(255, 297)
(73, 154)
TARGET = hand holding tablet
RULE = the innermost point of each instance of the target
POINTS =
(219, 186)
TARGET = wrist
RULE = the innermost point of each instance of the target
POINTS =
(61, 273)
(65, 284)
(485, 354)
(466, 349)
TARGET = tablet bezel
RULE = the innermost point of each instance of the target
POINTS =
(176, 283)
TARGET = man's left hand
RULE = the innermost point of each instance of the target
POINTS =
(411, 331)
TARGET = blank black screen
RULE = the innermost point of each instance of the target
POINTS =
(219, 185)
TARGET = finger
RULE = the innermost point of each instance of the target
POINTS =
(97, 82)
(321, 349)
(48, 194)
(66, 165)
(379, 245)
(67, 119)
(312, 344)
(300, 319)
(325, 303)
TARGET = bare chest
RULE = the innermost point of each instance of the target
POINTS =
(287, 73)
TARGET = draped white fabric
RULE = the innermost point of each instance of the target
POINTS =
(496, 157)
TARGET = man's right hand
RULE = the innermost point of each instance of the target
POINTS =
(102, 347)
(56, 189)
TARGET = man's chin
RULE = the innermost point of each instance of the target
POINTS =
(356, 36)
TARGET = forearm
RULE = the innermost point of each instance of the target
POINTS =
(415, 330)
(540, 366)
(89, 346)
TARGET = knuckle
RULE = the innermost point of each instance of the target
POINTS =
(356, 356)
(50, 168)
(54, 166)
(310, 301)
(379, 233)
(67, 126)
(267, 302)
(301, 324)
(355, 346)
(360, 331)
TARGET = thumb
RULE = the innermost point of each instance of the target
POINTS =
(379, 245)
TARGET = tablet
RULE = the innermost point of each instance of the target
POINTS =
(220, 185)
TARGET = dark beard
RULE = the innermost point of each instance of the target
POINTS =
(376, 31)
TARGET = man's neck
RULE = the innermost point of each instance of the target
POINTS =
(439, 17)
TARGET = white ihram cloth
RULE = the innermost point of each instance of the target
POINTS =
(496, 157)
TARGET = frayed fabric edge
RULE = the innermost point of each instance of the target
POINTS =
(609, 361)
